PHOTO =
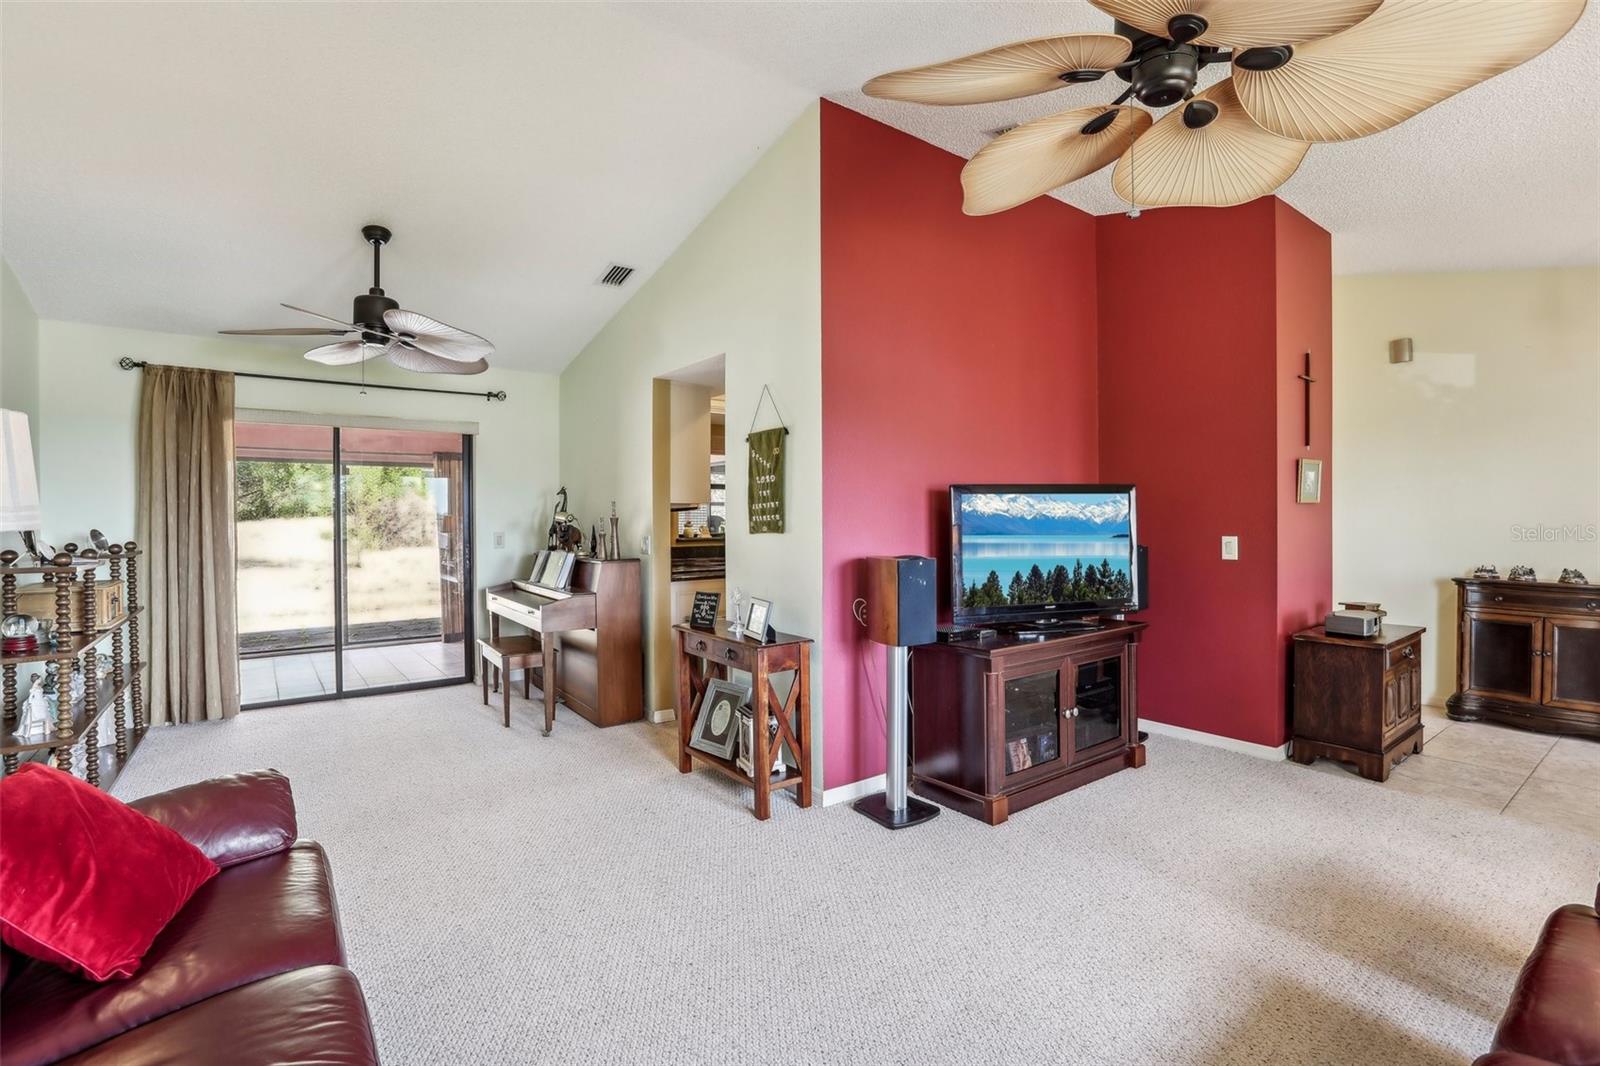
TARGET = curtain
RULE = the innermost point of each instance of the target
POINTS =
(452, 546)
(186, 528)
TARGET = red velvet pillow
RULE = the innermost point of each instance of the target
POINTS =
(86, 882)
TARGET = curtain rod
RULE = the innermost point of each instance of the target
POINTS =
(138, 364)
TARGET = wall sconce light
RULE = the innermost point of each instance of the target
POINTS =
(1400, 350)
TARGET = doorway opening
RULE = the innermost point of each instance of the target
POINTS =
(354, 560)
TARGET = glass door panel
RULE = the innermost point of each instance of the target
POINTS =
(284, 524)
(403, 557)
(1099, 703)
(1033, 722)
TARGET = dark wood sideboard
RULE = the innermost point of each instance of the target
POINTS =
(1528, 655)
(1358, 699)
(1001, 724)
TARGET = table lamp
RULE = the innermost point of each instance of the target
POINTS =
(19, 487)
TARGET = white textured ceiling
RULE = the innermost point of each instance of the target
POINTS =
(185, 167)
(1504, 175)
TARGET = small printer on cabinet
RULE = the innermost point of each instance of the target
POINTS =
(1353, 623)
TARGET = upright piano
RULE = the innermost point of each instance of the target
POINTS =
(596, 625)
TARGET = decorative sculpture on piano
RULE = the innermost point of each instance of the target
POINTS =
(565, 533)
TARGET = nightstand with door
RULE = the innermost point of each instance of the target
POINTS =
(1357, 700)
(1528, 655)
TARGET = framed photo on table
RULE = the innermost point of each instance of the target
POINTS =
(716, 726)
(756, 623)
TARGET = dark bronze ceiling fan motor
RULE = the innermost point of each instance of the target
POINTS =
(1163, 71)
(369, 307)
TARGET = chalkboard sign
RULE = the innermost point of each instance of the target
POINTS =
(704, 614)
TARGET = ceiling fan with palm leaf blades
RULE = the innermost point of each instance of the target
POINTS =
(1303, 72)
(380, 326)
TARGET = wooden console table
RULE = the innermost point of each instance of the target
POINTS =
(705, 654)
(1528, 656)
(1004, 723)
(1358, 699)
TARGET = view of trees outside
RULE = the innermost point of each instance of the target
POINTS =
(1060, 585)
(285, 542)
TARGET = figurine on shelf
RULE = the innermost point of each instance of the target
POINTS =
(1523, 573)
(75, 684)
(1486, 572)
(614, 541)
(736, 605)
(20, 633)
(1573, 576)
(37, 718)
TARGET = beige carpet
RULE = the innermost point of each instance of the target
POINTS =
(509, 898)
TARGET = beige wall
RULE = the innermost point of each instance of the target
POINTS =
(1485, 449)
(745, 284)
(89, 413)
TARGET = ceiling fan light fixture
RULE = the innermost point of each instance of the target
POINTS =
(1270, 57)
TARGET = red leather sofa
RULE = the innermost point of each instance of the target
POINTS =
(1554, 1016)
(251, 972)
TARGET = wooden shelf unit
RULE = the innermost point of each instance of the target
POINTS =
(72, 572)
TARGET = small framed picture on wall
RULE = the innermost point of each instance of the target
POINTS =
(1308, 481)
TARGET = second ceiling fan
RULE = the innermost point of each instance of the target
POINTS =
(1303, 72)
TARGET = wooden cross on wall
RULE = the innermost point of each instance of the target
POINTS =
(1309, 380)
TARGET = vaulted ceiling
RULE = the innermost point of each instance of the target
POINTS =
(186, 167)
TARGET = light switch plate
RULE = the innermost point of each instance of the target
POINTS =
(1230, 548)
(499, 540)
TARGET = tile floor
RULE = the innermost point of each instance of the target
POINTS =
(307, 674)
(1533, 777)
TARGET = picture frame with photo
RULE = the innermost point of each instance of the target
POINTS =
(1308, 481)
(756, 621)
(716, 725)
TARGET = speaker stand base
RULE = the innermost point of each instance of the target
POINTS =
(877, 808)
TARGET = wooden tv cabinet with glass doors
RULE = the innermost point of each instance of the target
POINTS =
(1003, 723)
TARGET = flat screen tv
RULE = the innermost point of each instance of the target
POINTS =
(1022, 553)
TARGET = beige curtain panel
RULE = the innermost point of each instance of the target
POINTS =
(186, 528)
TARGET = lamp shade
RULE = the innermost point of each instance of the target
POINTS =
(19, 485)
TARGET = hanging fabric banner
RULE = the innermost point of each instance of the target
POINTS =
(766, 480)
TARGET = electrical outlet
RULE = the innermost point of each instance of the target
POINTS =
(644, 545)
(499, 540)
(1230, 548)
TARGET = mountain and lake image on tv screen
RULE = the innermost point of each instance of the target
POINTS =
(1020, 549)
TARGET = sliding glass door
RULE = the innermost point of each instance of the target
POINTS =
(358, 582)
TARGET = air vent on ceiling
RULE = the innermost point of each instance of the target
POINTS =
(616, 274)
(1002, 129)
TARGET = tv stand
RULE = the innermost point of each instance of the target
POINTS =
(1006, 722)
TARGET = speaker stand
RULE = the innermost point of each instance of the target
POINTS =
(892, 808)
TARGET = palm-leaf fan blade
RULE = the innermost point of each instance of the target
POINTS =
(1046, 154)
(435, 337)
(427, 363)
(1004, 73)
(1408, 56)
(346, 353)
(1243, 23)
(1217, 163)
(286, 331)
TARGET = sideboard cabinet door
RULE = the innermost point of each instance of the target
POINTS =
(1100, 721)
(1572, 663)
(1501, 655)
(1032, 717)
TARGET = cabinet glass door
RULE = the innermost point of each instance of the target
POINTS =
(1572, 663)
(1098, 692)
(1033, 721)
(1502, 655)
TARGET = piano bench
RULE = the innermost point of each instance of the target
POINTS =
(505, 654)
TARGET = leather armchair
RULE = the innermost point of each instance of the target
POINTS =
(256, 959)
(1554, 1015)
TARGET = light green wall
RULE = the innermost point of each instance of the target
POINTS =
(19, 364)
(89, 414)
(746, 284)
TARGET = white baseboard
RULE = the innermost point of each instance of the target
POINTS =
(666, 714)
(1260, 751)
(853, 791)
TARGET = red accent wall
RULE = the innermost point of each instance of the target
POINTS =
(1204, 316)
(953, 349)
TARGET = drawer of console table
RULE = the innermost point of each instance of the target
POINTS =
(1509, 597)
(729, 653)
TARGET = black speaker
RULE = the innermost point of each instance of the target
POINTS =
(902, 600)
(1142, 563)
